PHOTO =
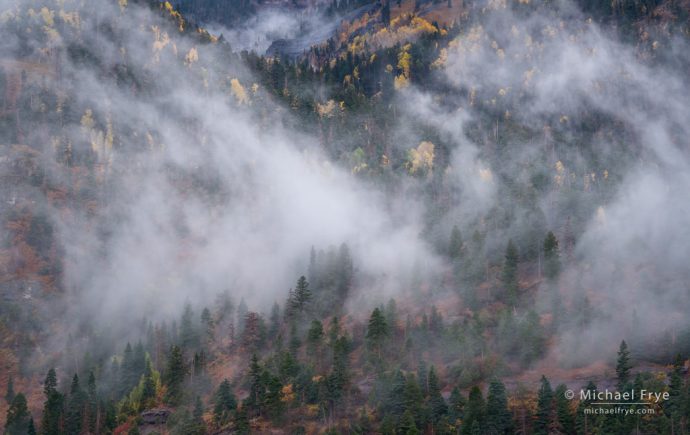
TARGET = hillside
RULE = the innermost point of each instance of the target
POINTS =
(392, 217)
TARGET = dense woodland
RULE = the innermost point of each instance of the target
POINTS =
(462, 351)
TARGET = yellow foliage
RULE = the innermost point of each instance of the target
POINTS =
(486, 175)
(48, 17)
(286, 394)
(192, 56)
(325, 110)
(123, 4)
(238, 91)
(421, 158)
(400, 82)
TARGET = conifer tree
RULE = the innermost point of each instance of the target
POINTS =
(52, 407)
(18, 417)
(510, 274)
(9, 395)
(456, 246)
(566, 419)
(545, 408)
(498, 418)
(377, 331)
(475, 412)
(225, 402)
(175, 374)
(437, 403)
(301, 295)
(75, 407)
(456, 408)
(623, 366)
(407, 424)
(552, 262)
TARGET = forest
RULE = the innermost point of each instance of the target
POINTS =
(388, 217)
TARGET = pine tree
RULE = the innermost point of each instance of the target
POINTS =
(437, 403)
(242, 426)
(585, 423)
(545, 408)
(552, 262)
(257, 386)
(208, 324)
(377, 331)
(148, 393)
(498, 418)
(75, 407)
(175, 374)
(475, 412)
(31, 429)
(510, 274)
(18, 417)
(301, 295)
(407, 424)
(189, 336)
(565, 415)
(9, 395)
(456, 408)
(225, 402)
(623, 366)
(274, 328)
(456, 246)
(52, 407)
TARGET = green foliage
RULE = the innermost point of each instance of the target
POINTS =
(623, 366)
(545, 408)
(510, 274)
(225, 403)
(18, 417)
(175, 374)
(498, 417)
(552, 262)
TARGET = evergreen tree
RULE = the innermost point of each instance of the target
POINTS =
(510, 274)
(188, 336)
(498, 418)
(208, 324)
(407, 424)
(475, 412)
(52, 407)
(18, 417)
(175, 374)
(377, 331)
(256, 387)
(456, 246)
(242, 426)
(148, 393)
(545, 408)
(564, 413)
(301, 296)
(274, 327)
(584, 423)
(225, 402)
(552, 262)
(623, 366)
(31, 430)
(437, 403)
(75, 407)
(9, 395)
(456, 406)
